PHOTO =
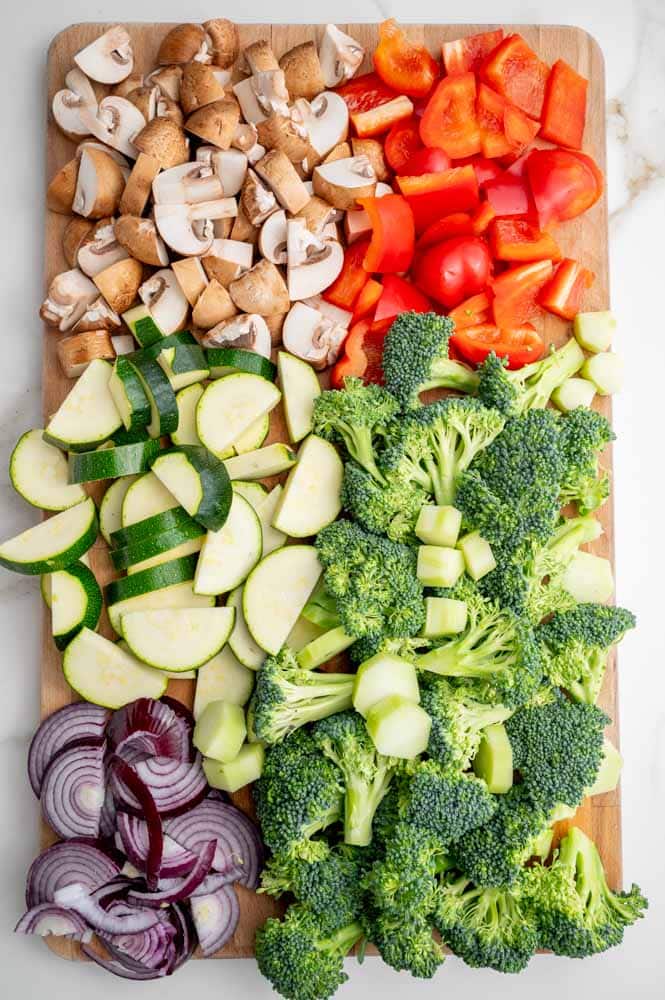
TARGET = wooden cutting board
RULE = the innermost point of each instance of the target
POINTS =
(586, 238)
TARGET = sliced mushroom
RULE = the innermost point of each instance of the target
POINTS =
(139, 185)
(339, 152)
(285, 132)
(213, 306)
(115, 154)
(245, 137)
(260, 290)
(275, 323)
(222, 228)
(187, 183)
(109, 59)
(245, 93)
(184, 43)
(191, 277)
(116, 122)
(223, 41)
(317, 214)
(119, 283)
(76, 352)
(278, 172)
(188, 229)
(313, 263)
(248, 331)
(60, 192)
(163, 296)
(260, 57)
(77, 231)
(340, 55)
(98, 316)
(271, 92)
(302, 71)
(100, 249)
(357, 223)
(272, 238)
(168, 108)
(302, 246)
(165, 141)
(215, 123)
(256, 201)
(199, 87)
(336, 315)
(227, 260)
(373, 150)
(344, 181)
(126, 86)
(326, 120)
(139, 237)
(123, 343)
(67, 104)
(168, 79)
(99, 185)
(231, 167)
(243, 231)
(145, 99)
(311, 336)
(67, 299)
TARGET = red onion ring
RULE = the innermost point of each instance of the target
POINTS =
(126, 777)
(238, 840)
(72, 724)
(153, 726)
(179, 889)
(175, 786)
(73, 792)
(47, 918)
(128, 920)
(133, 832)
(215, 917)
(64, 863)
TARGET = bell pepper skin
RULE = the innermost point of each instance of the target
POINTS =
(367, 300)
(351, 280)
(476, 311)
(361, 357)
(452, 271)
(504, 129)
(398, 296)
(563, 295)
(432, 196)
(362, 93)
(517, 240)
(466, 55)
(406, 67)
(519, 346)
(402, 141)
(514, 70)
(564, 107)
(516, 293)
(564, 183)
(381, 119)
(393, 234)
(449, 121)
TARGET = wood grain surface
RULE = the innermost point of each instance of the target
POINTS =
(586, 238)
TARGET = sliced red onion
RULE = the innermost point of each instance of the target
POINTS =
(238, 840)
(127, 920)
(47, 918)
(176, 860)
(180, 710)
(185, 941)
(73, 792)
(178, 889)
(118, 969)
(215, 881)
(64, 863)
(107, 817)
(215, 918)
(175, 786)
(153, 948)
(150, 727)
(73, 724)
(126, 779)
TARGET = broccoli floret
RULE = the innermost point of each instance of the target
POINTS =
(405, 944)
(529, 387)
(390, 508)
(298, 794)
(557, 748)
(576, 645)
(576, 911)
(356, 417)
(447, 802)
(300, 957)
(415, 358)
(405, 646)
(404, 881)
(583, 435)
(367, 774)
(373, 581)
(457, 720)
(487, 928)
(286, 696)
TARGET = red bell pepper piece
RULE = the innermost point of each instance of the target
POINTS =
(486, 170)
(365, 92)
(564, 108)
(504, 129)
(520, 345)
(449, 121)
(427, 160)
(457, 224)
(564, 293)
(516, 293)
(432, 196)
(401, 142)
(509, 195)
(367, 300)
(393, 234)
(398, 296)
(406, 67)
(564, 183)
(465, 55)
(451, 271)
(482, 218)
(516, 72)
(517, 239)
(475, 311)
(351, 280)
(361, 358)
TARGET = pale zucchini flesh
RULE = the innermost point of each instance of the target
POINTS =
(184, 549)
(178, 595)
(104, 674)
(181, 480)
(241, 643)
(53, 544)
(187, 400)
(222, 677)
(88, 415)
(230, 406)
(254, 493)
(228, 555)
(38, 472)
(199, 481)
(276, 591)
(145, 497)
(259, 464)
(300, 388)
(272, 538)
(177, 639)
(253, 437)
(110, 509)
(75, 602)
(311, 497)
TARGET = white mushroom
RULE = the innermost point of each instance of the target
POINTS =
(342, 182)
(313, 263)
(139, 237)
(187, 183)
(163, 296)
(76, 352)
(103, 148)
(119, 283)
(191, 277)
(99, 185)
(336, 315)
(188, 229)
(251, 110)
(98, 316)
(311, 336)
(213, 306)
(68, 297)
(227, 260)
(248, 331)
(260, 290)
(109, 59)
(272, 238)
(116, 122)
(100, 249)
(340, 55)
(326, 120)
(357, 224)
(257, 201)
(271, 92)
(67, 104)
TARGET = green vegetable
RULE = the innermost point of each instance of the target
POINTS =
(583, 436)
(494, 760)
(220, 731)
(357, 418)
(478, 556)
(458, 720)
(444, 616)
(399, 727)
(572, 393)
(380, 676)
(245, 768)
(531, 386)
(391, 507)
(605, 372)
(594, 331)
(439, 566)
(439, 525)
(447, 802)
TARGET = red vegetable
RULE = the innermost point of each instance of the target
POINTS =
(516, 239)
(482, 218)
(381, 119)
(520, 346)
(486, 170)
(508, 195)
(473, 312)
(398, 296)
(564, 183)
(363, 350)
(449, 121)
(564, 293)
(466, 54)
(457, 224)
(504, 129)
(401, 142)
(564, 108)
(515, 71)
(365, 92)
(366, 301)
(427, 160)
(432, 196)
(404, 66)
(454, 270)
(351, 280)
(393, 234)
(516, 293)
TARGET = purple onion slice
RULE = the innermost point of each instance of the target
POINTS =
(128, 781)
(117, 919)
(238, 840)
(64, 863)
(178, 889)
(215, 881)
(185, 941)
(151, 727)
(175, 786)
(215, 917)
(47, 918)
(176, 860)
(118, 969)
(73, 724)
(73, 792)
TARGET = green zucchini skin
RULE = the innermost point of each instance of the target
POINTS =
(237, 359)
(163, 408)
(132, 388)
(168, 520)
(112, 463)
(94, 603)
(152, 351)
(216, 490)
(62, 559)
(177, 571)
(154, 545)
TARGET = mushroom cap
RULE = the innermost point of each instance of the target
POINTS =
(213, 305)
(163, 296)
(168, 79)
(62, 188)
(283, 132)
(168, 108)
(311, 336)
(76, 352)
(139, 237)
(100, 249)
(191, 277)
(224, 41)
(199, 87)
(139, 185)
(215, 122)
(260, 57)
(177, 229)
(260, 290)
(119, 283)
(116, 123)
(256, 200)
(182, 44)
(98, 316)
(145, 99)
(373, 150)
(227, 260)
(278, 172)
(76, 233)
(69, 295)
(245, 93)
(66, 107)
(272, 238)
(166, 141)
(115, 154)
(126, 86)
(188, 183)
(99, 185)
(340, 55)
(248, 331)
(79, 84)
(342, 182)
(110, 58)
(302, 71)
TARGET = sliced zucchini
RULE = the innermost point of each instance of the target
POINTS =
(123, 436)
(104, 674)
(187, 400)
(254, 493)
(142, 325)
(164, 575)
(311, 497)
(110, 509)
(163, 405)
(38, 472)
(45, 580)
(53, 544)
(168, 520)
(154, 545)
(129, 395)
(198, 481)
(276, 591)
(222, 677)
(300, 388)
(178, 595)
(237, 773)
(112, 463)
(76, 602)
(153, 351)
(230, 406)
(144, 498)
(229, 554)
(240, 641)
(260, 464)
(220, 731)
(226, 360)
(183, 365)
(272, 539)
(87, 416)
(253, 437)
(177, 552)
(177, 639)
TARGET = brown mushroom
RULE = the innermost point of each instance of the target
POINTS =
(168, 79)
(260, 290)
(302, 71)
(164, 140)
(109, 59)
(141, 240)
(98, 316)
(115, 122)
(373, 150)
(168, 108)
(60, 192)
(339, 152)
(340, 55)
(191, 277)
(139, 185)
(199, 86)
(99, 185)
(216, 122)
(126, 86)
(317, 214)
(275, 324)
(260, 57)
(256, 200)
(284, 133)
(278, 172)
(100, 249)
(163, 296)
(243, 231)
(227, 260)
(182, 44)
(224, 41)
(248, 331)
(119, 283)
(76, 233)
(342, 182)
(213, 305)
(145, 99)
(76, 352)
(69, 296)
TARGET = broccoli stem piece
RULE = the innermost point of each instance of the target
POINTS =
(447, 374)
(361, 802)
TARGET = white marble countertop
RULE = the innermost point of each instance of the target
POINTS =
(632, 36)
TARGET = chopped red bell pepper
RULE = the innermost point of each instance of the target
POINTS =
(564, 108)
(564, 293)
(486, 170)
(457, 224)
(482, 218)
(365, 92)
(516, 293)
(398, 296)
(475, 311)
(367, 300)
(393, 234)
(466, 54)
(490, 108)
(401, 142)
(449, 121)
(432, 196)
(427, 160)
(516, 72)
(519, 346)
(452, 271)
(509, 195)
(351, 280)
(381, 119)
(361, 358)
(406, 67)
(517, 239)
(564, 183)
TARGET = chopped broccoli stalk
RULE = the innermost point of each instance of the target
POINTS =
(458, 721)
(325, 647)
(573, 393)
(390, 508)
(494, 760)
(594, 330)
(439, 566)
(321, 608)
(609, 771)
(605, 372)
(439, 525)
(446, 801)
(583, 436)
(444, 616)
(529, 387)
(478, 556)
(588, 578)
(399, 727)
